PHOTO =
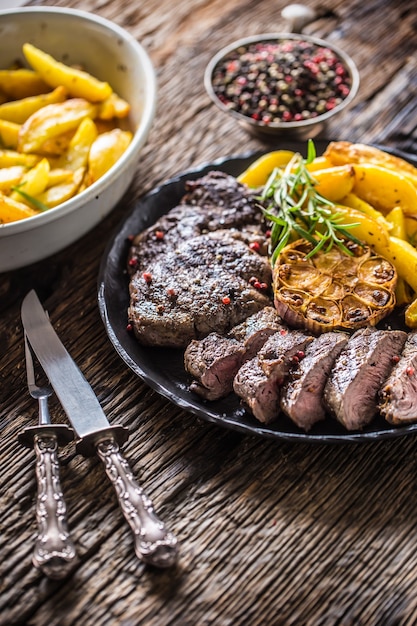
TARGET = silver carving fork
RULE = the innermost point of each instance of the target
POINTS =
(54, 551)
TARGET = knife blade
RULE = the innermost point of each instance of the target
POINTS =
(154, 544)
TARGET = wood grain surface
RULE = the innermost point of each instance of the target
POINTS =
(271, 533)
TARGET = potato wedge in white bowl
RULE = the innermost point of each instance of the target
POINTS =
(67, 38)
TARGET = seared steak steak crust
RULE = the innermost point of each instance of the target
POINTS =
(302, 395)
(398, 396)
(213, 363)
(214, 360)
(258, 382)
(214, 202)
(202, 286)
(351, 392)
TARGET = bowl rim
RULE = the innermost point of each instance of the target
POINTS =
(139, 134)
(279, 36)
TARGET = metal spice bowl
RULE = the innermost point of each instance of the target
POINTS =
(267, 97)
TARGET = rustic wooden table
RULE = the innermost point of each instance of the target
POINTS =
(271, 533)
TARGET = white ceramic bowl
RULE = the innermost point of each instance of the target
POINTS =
(110, 53)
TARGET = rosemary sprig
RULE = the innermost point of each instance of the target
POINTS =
(34, 201)
(294, 207)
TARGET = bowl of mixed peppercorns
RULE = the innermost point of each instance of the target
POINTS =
(282, 83)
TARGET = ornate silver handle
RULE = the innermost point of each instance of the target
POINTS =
(54, 550)
(154, 544)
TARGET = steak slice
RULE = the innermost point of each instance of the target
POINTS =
(283, 351)
(302, 395)
(203, 286)
(214, 360)
(351, 392)
(256, 329)
(259, 393)
(258, 382)
(398, 396)
(214, 202)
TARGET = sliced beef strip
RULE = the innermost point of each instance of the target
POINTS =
(302, 394)
(214, 360)
(282, 351)
(256, 329)
(214, 202)
(258, 382)
(259, 393)
(398, 396)
(351, 392)
(184, 297)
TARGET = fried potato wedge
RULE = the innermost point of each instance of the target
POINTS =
(365, 228)
(105, 151)
(57, 194)
(353, 201)
(9, 133)
(19, 111)
(11, 176)
(345, 152)
(12, 211)
(410, 315)
(335, 182)
(80, 84)
(52, 121)
(12, 157)
(397, 220)
(113, 107)
(32, 183)
(384, 189)
(22, 83)
(260, 170)
(79, 147)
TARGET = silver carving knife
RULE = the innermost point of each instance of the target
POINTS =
(154, 544)
(54, 551)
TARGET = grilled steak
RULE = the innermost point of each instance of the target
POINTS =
(258, 392)
(302, 394)
(234, 204)
(258, 382)
(398, 396)
(351, 392)
(214, 202)
(282, 351)
(203, 286)
(214, 360)
(256, 329)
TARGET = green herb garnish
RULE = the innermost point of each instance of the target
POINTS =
(34, 201)
(294, 207)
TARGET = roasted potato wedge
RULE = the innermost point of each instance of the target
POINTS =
(78, 83)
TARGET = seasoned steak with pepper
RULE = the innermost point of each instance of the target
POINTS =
(351, 392)
(214, 202)
(302, 395)
(204, 285)
(398, 396)
(215, 360)
(259, 381)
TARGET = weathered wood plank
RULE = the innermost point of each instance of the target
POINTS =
(271, 533)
